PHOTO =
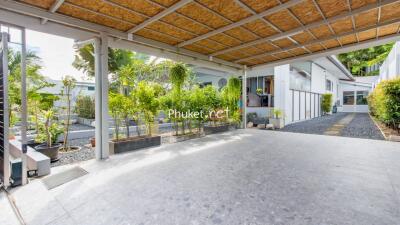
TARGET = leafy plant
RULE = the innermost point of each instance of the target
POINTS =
(259, 91)
(357, 61)
(49, 131)
(68, 85)
(116, 107)
(231, 97)
(148, 101)
(278, 113)
(326, 102)
(384, 101)
(85, 106)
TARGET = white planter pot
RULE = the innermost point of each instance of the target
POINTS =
(278, 123)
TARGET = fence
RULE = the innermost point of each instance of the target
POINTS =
(305, 105)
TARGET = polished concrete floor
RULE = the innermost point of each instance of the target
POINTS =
(242, 177)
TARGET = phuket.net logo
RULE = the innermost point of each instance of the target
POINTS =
(213, 114)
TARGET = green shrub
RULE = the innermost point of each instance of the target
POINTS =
(384, 101)
(85, 107)
(326, 102)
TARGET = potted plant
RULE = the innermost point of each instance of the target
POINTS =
(147, 95)
(259, 91)
(326, 103)
(49, 131)
(68, 85)
(277, 120)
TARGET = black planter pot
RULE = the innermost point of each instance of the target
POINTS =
(134, 144)
(51, 152)
(209, 129)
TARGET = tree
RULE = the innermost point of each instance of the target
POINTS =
(115, 106)
(231, 96)
(117, 58)
(357, 61)
(148, 101)
(35, 81)
(68, 85)
(326, 102)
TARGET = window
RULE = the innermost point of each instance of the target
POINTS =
(300, 80)
(329, 85)
(348, 97)
(90, 88)
(362, 97)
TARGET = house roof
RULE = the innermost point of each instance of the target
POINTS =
(367, 79)
(235, 32)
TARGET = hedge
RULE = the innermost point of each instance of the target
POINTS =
(326, 102)
(384, 101)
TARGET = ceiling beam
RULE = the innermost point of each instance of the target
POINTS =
(333, 51)
(308, 26)
(323, 39)
(160, 15)
(241, 22)
(53, 9)
(32, 11)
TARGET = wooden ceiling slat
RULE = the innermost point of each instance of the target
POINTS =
(226, 8)
(342, 26)
(332, 8)
(203, 16)
(306, 12)
(107, 9)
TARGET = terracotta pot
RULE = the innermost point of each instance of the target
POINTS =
(93, 142)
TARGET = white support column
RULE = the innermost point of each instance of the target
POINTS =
(4, 42)
(24, 107)
(104, 96)
(101, 97)
(98, 95)
(244, 97)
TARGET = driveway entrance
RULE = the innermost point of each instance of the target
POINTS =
(357, 125)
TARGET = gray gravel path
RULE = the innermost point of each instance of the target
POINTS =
(362, 126)
(315, 126)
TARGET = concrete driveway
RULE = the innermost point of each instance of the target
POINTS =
(242, 177)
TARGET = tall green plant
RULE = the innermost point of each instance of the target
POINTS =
(326, 102)
(85, 106)
(148, 101)
(231, 96)
(116, 106)
(384, 101)
(68, 85)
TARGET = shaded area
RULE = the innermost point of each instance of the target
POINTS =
(362, 126)
(243, 177)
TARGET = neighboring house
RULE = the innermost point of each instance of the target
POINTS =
(390, 68)
(81, 88)
(296, 88)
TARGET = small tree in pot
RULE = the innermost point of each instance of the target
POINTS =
(326, 103)
(68, 85)
(49, 131)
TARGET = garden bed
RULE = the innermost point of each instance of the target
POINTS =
(218, 128)
(169, 139)
(133, 143)
(389, 133)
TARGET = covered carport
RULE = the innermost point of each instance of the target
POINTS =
(230, 35)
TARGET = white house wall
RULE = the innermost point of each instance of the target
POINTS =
(390, 68)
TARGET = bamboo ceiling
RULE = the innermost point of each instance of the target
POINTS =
(248, 32)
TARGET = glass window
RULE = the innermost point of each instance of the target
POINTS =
(328, 85)
(90, 88)
(348, 97)
(362, 97)
(300, 79)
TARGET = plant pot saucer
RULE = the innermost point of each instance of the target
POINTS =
(71, 149)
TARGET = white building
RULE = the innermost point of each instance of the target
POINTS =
(296, 88)
(81, 88)
(390, 68)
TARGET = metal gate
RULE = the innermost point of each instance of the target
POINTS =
(4, 153)
(305, 105)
